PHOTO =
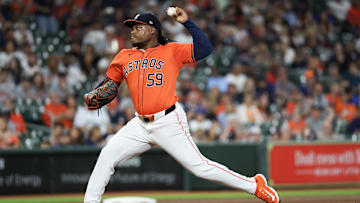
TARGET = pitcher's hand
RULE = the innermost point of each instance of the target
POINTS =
(180, 15)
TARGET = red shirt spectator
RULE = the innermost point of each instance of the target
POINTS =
(353, 15)
(55, 111)
(18, 121)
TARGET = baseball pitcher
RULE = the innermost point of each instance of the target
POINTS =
(150, 70)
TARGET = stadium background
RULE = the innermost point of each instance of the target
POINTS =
(281, 71)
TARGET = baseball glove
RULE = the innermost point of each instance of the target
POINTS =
(102, 95)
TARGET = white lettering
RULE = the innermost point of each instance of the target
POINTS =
(348, 157)
(131, 163)
(318, 172)
(81, 178)
(28, 180)
(358, 156)
(326, 159)
(303, 159)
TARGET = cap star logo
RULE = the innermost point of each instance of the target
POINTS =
(151, 22)
(137, 16)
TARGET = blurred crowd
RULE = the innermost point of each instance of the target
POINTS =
(281, 69)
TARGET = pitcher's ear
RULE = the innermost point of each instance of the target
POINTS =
(153, 30)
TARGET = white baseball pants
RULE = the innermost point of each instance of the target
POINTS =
(171, 133)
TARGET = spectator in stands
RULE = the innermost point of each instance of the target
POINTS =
(67, 117)
(95, 36)
(333, 96)
(237, 76)
(316, 121)
(344, 108)
(8, 137)
(213, 98)
(353, 14)
(236, 96)
(283, 86)
(296, 124)
(59, 137)
(248, 113)
(88, 63)
(15, 70)
(192, 101)
(172, 27)
(86, 119)
(328, 129)
(249, 135)
(7, 86)
(333, 75)
(200, 125)
(264, 107)
(353, 75)
(76, 137)
(95, 137)
(230, 131)
(71, 67)
(129, 112)
(217, 81)
(114, 43)
(60, 85)
(339, 8)
(250, 86)
(31, 67)
(25, 89)
(23, 35)
(214, 132)
(15, 118)
(319, 96)
(226, 111)
(40, 90)
(56, 112)
(44, 16)
(51, 70)
(7, 54)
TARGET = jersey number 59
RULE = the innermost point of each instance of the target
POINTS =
(154, 79)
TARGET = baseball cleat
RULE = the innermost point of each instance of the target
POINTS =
(265, 192)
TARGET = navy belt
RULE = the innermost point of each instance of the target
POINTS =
(151, 118)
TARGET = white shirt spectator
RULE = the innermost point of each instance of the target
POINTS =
(97, 38)
(5, 58)
(289, 56)
(85, 118)
(248, 114)
(173, 27)
(74, 73)
(22, 34)
(339, 8)
(236, 77)
(237, 80)
(196, 125)
(183, 38)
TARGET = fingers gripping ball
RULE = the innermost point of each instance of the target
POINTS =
(102, 95)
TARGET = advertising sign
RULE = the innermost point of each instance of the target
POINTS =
(67, 171)
(315, 163)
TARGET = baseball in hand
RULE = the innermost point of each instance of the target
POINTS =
(171, 11)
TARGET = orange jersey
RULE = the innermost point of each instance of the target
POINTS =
(151, 75)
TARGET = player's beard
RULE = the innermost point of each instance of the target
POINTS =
(139, 44)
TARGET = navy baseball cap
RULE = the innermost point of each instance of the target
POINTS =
(147, 19)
